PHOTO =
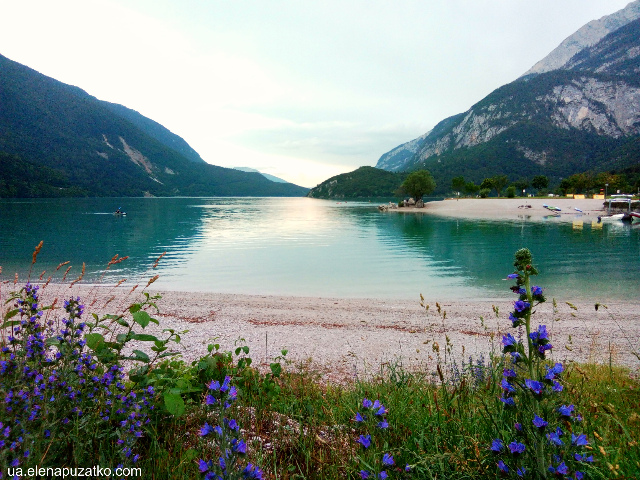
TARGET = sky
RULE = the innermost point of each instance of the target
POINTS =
(299, 89)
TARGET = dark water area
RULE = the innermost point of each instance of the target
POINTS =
(300, 246)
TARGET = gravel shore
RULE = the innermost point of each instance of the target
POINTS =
(347, 338)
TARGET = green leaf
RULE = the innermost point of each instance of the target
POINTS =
(10, 323)
(140, 355)
(144, 337)
(94, 340)
(122, 322)
(142, 318)
(151, 319)
(52, 341)
(276, 369)
(11, 313)
(122, 338)
(136, 307)
(174, 403)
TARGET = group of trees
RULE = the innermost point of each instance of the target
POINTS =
(498, 183)
(595, 183)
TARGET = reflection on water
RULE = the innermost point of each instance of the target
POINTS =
(300, 246)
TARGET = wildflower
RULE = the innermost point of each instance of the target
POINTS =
(579, 440)
(407, 468)
(359, 418)
(365, 441)
(383, 424)
(252, 471)
(517, 448)
(387, 459)
(539, 422)
(366, 403)
(508, 401)
(554, 437)
(206, 430)
(508, 340)
(497, 445)
(382, 475)
(509, 373)
(536, 291)
(204, 466)
(520, 306)
(561, 469)
(503, 467)
(535, 386)
(566, 410)
(513, 275)
(583, 458)
(507, 387)
(364, 474)
(238, 446)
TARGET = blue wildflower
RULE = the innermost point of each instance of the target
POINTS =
(539, 422)
(566, 410)
(517, 448)
(503, 467)
(365, 441)
(497, 445)
(579, 440)
(554, 437)
(387, 459)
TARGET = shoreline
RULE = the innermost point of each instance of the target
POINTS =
(513, 209)
(345, 339)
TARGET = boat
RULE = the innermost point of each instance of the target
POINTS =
(119, 212)
(611, 218)
(553, 209)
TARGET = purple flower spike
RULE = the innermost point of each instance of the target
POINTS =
(387, 459)
(513, 275)
(508, 340)
(520, 306)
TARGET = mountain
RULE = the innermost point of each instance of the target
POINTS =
(586, 36)
(74, 144)
(361, 183)
(265, 175)
(583, 116)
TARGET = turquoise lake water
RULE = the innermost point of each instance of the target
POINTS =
(306, 247)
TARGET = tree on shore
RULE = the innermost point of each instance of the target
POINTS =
(418, 183)
(499, 182)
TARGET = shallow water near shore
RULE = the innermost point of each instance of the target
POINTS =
(306, 247)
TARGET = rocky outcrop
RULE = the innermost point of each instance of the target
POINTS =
(586, 36)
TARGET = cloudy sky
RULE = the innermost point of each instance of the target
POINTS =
(303, 90)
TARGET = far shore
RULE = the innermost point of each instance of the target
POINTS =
(514, 209)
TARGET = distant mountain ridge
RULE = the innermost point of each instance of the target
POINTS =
(85, 146)
(583, 116)
(273, 178)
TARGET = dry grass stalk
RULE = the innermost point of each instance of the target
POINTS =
(66, 272)
(62, 265)
(79, 278)
(152, 279)
(155, 264)
(36, 252)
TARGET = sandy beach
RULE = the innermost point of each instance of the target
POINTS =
(348, 338)
(514, 209)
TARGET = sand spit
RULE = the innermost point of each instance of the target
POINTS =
(514, 209)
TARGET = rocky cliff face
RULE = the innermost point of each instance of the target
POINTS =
(586, 36)
(555, 123)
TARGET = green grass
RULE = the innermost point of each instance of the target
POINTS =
(307, 430)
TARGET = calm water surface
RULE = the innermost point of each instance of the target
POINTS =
(299, 246)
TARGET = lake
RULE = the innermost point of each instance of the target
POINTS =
(307, 247)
